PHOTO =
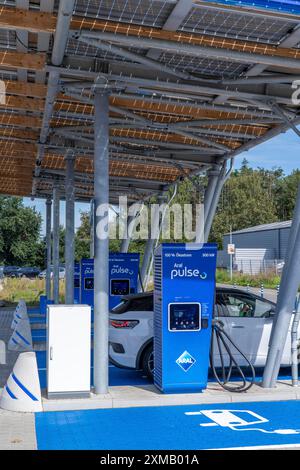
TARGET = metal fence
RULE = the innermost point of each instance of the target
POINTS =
(258, 266)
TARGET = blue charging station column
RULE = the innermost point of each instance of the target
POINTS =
(44, 301)
(184, 290)
(76, 283)
(123, 278)
(87, 281)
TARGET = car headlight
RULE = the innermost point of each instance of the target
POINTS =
(123, 323)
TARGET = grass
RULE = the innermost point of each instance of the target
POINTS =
(270, 280)
(12, 290)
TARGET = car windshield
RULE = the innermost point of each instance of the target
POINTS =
(141, 304)
(235, 304)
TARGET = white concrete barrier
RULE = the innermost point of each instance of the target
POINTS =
(2, 352)
(19, 314)
(22, 391)
(21, 339)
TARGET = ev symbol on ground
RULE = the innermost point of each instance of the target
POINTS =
(238, 420)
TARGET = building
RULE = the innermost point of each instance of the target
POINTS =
(258, 248)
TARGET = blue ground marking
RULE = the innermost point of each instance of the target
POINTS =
(166, 427)
(119, 377)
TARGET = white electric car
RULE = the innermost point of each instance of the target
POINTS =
(247, 319)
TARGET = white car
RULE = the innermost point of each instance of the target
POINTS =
(62, 273)
(247, 319)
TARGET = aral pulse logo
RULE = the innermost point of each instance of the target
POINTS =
(179, 270)
(185, 361)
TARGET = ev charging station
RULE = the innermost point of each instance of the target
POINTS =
(184, 290)
(123, 278)
(76, 283)
(44, 301)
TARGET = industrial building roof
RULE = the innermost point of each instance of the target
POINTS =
(263, 227)
(192, 84)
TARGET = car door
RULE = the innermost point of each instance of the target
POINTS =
(248, 322)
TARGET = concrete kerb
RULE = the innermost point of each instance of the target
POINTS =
(149, 396)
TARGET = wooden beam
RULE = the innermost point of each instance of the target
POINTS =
(18, 120)
(8, 154)
(129, 29)
(6, 145)
(35, 90)
(157, 137)
(21, 60)
(36, 22)
(20, 102)
(28, 20)
(19, 133)
(163, 108)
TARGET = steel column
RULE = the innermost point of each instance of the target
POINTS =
(101, 242)
(213, 175)
(64, 16)
(214, 196)
(129, 229)
(150, 245)
(92, 228)
(286, 302)
(55, 252)
(70, 231)
(48, 248)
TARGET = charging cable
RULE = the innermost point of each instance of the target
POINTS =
(223, 340)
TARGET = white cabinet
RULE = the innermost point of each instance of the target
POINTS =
(68, 350)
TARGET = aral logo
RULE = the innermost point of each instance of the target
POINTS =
(185, 361)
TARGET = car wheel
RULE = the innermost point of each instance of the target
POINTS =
(148, 361)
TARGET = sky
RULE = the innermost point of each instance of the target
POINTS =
(281, 151)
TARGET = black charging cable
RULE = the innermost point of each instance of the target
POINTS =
(225, 344)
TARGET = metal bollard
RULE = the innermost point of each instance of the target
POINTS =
(262, 290)
(234, 285)
(248, 288)
(277, 289)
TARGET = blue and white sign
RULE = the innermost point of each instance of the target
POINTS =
(185, 361)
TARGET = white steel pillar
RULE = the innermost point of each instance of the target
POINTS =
(101, 241)
(55, 252)
(48, 248)
(70, 229)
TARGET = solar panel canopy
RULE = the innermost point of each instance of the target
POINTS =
(191, 85)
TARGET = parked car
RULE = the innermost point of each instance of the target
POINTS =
(247, 319)
(11, 271)
(62, 273)
(30, 272)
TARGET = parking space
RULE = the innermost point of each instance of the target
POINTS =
(175, 427)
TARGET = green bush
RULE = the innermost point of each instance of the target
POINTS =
(270, 280)
(12, 290)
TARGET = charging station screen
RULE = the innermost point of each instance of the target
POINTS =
(119, 287)
(89, 283)
(184, 317)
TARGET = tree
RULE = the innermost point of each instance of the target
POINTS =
(20, 226)
(83, 237)
(247, 200)
(286, 193)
